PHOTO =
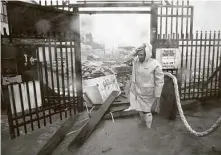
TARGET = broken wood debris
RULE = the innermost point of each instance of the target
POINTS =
(120, 114)
(96, 117)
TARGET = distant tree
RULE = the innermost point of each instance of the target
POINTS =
(88, 38)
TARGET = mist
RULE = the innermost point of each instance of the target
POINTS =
(134, 29)
(113, 30)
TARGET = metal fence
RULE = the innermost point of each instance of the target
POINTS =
(200, 60)
(50, 87)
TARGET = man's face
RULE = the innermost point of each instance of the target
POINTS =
(141, 55)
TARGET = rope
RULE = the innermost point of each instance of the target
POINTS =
(112, 117)
(198, 134)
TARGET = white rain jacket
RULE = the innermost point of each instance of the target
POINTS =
(147, 83)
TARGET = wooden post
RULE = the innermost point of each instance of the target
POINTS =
(153, 28)
(168, 108)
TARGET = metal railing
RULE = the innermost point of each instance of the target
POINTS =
(200, 59)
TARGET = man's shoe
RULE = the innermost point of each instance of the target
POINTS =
(148, 120)
(128, 109)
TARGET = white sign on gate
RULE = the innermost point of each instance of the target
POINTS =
(104, 84)
(10, 80)
(170, 58)
(18, 100)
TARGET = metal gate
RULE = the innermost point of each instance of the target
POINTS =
(49, 66)
(200, 51)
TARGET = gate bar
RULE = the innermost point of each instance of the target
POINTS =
(111, 5)
(45, 68)
(22, 106)
(14, 109)
(191, 68)
(171, 30)
(199, 72)
(114, 12)
(213, 63)
(62, 73)
(67, 73)
(41, 82)
(208, 57)
(57, 78)
(36, 104)
(29, 104)
(217, 62)
(204, 60)
(51, 67)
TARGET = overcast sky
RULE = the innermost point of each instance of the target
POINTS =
(117, 29)
(207, 14)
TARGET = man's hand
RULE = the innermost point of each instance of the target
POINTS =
(156, 106)
(134, 53)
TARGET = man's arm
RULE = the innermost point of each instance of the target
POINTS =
(130, 57)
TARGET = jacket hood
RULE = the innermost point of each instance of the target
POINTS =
(148, 49)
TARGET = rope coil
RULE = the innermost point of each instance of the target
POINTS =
(186, 124)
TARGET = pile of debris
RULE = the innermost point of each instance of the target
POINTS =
(96, 69)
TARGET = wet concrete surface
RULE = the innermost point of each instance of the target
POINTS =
(128, 136)
(29, 143)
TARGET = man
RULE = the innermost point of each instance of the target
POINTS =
(146, 83)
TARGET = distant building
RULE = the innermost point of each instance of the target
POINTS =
(124, 50)
(4, 18)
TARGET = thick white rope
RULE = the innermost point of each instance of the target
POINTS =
(198, 134)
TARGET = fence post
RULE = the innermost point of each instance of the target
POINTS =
(153, 28)
(77, 43)
(9, 113)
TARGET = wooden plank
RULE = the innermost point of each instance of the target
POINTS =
(59, 135)
(121, 114)
(85, 132)
(119, 108)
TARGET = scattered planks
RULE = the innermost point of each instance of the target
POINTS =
(96, 117)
